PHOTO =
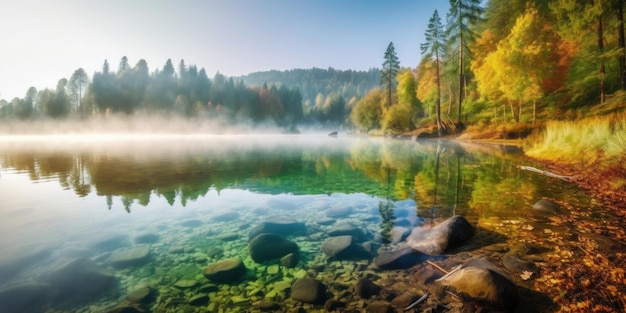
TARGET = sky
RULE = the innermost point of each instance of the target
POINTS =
(42, 41)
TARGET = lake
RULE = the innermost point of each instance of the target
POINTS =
(178, 223)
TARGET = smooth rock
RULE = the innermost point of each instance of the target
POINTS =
(192, 223)
(186, 283)
(290, 260)
(398, 259)
(404, 300)
(334, 305)
(265, 247)
(343, 248)
(199, 300)
(517, 265)
(111, 243)
(139, 295)
(226, 271)
(267, 306)
(279, 225)
(547, 206)
(339, 212)
(379, 307)
(366, 289)
(125, 308)
(25, 297)
(483, 281)
(130, 257)
(398, 234)
(147, 238)
(229, 236)
(81, 280)
(349, 229)
(308, 290)
(435, 240)
(176, 249)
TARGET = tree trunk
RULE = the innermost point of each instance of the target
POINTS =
(460, 72)
(438, 108)
(622, 45)
(601, 49)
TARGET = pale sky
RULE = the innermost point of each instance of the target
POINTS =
(42, 41)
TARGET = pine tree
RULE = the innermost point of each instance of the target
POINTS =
(389, 72)
(434, 47)
(462, 14)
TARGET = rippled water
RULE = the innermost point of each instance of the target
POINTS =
(192, 201)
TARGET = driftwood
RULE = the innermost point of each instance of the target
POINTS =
(546, 173)
(414, 304)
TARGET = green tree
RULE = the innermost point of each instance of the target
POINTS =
(367, 112)
(434, 48)
(77, 82)
(462, 14)
(389, 72)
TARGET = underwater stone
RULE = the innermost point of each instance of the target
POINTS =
(267, 247)
(435, 240)
(185, 283)
(279, 225)
(398, 259)
(338, 212)
(130, 257)
(349, 229)
(483, 281)
(366, 289)
(80, 280)
(308, 290)
(547, 206)
(404, 300)
(379, 307)
(147, 238)
(25, 297)
(226, 217)
(290, 260)
(139, 295)
(226, 271)
(198, 300)
(267, 306)
(229, 236)
(334, 246)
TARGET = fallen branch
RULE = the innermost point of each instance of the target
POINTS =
(420, 300)
(546, 173)
(437, 266)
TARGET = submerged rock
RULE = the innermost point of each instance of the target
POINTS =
(398, 259)
(226, 271)
(130, 257)
(343, 229)
(265, 247)
(81, 280)
(308, 290)
(366, 289)
(343, 248)
(290, 260)
(379, 307)
(279, 225)
(482, 281)
(435, 240)
(547, 207)
(25, 297)
(226, 217)
(147, 238)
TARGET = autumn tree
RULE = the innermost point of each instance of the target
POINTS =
(367, 112)
(462, 14)
(389, 71)
(433, 49)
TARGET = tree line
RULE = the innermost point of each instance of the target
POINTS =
(508, 62)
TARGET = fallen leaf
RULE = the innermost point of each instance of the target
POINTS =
(526, 275)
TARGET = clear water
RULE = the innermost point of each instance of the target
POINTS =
(65, 198)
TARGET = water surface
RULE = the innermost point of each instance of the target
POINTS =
(86, 197)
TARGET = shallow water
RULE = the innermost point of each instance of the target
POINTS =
(193, 200)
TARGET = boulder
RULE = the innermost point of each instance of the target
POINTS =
(398, 259)
(435, 240)
(343, 248)
(25, 297)
(547, 207)
(482, 281)
(279, 225)
(366, 288)
(226, 271)
(348, 229)
(81, 280)
(265, 247)
(308, 290)
(399, 233)
(130, 257)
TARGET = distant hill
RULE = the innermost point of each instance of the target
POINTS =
(314, 81)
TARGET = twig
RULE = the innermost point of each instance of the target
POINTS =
(546, 173)
(453, 295)
(437, 267)
(420, 300)
(585, 251)
(454, 269)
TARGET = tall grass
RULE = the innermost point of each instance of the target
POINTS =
(582, 142)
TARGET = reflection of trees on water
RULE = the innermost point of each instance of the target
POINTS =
(442, 178)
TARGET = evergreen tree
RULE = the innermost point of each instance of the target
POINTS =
(462, 14)
(434, 48)
(389, 72)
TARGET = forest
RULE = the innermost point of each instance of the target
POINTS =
(506, 64)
